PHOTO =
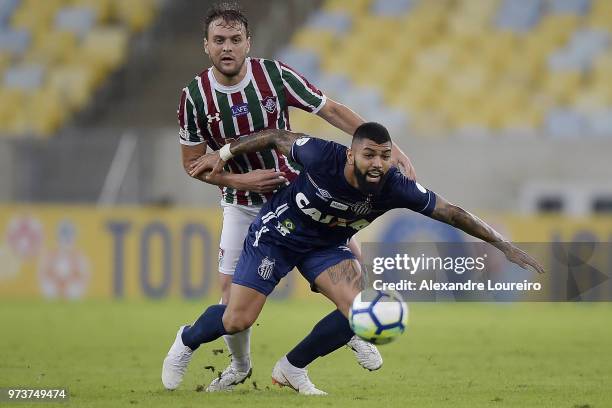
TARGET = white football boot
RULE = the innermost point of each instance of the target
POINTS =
(286, 374)
(176, 362)
(367, 354)
(229, 378)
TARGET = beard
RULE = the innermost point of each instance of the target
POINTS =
(366, 186)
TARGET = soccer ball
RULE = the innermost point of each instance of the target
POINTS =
(381, 320)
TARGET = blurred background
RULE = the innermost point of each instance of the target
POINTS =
(504, 106)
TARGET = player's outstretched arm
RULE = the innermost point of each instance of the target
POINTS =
(266, 139)
(259, 181)
(471, 224)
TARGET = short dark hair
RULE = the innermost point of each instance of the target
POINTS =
(229, 12)
(372, 131)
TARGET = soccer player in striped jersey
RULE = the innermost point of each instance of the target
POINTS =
(234, 98)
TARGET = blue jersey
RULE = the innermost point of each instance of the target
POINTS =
(321, 209)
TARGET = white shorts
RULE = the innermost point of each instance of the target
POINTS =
(236, 222)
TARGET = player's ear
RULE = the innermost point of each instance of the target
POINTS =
(350, 159)
(248, 48)
(206, 46)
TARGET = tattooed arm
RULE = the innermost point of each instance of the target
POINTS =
(266, 139)
(471, 224)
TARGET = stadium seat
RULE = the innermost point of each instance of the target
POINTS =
(577, 7)
(391, 7)
(73, 84)
(28, 77)
(563, 86)
(103, 50)
(7, 8)
(57, 47)
(565, 123)
(14, 42)
(78, 20)
(136, 14)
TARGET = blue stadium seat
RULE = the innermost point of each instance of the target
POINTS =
(519, 15)
(580, 7)
(306, 62)
(7, 7)
(392, 7)
(565, 123)
(24, 77)
(14, 41)
(336, 22)
(78, 20)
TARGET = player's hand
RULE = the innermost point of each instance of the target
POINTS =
(204, 163)
(262, 181)
(402, 161)
(522, 259)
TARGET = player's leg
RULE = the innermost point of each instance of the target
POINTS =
(247, 297)
(236, 222)
(336, 274)
(340, 283)
(367, 354)
(217, 320)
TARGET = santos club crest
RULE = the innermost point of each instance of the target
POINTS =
(362, 207)
(265, 268)
(269, 104)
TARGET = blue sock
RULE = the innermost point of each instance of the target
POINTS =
(207, 328)
(331, 333)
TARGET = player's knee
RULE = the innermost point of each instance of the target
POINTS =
(237, 322)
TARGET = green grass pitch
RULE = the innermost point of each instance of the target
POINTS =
(109, 354)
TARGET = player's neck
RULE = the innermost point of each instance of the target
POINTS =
(349, 175)
(230, 80)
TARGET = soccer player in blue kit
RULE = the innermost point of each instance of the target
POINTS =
(307, 224)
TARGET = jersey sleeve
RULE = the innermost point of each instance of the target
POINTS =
(190, 133)
(312, 152)
(410, 194)
(299, 92)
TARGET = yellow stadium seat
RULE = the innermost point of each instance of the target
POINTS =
(356, 8)
(554, 30)
(47, 112)
(102, 8)
(562, 86)
(73, 84)
(103, 49)
(136, 14)
(320, 41)
(600, 15)
(602, 67)
(592, 99)
(11, 102)
(57, 47)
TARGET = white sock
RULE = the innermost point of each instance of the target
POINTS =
(239, 345)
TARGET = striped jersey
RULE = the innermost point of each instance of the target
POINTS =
(215, 114)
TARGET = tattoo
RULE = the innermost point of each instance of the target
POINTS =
(266, 139)
(346, 272)
(469, 223)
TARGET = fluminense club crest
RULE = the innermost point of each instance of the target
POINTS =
(269, 104)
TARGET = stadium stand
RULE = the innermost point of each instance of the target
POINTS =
(55, 54)
(446, 66)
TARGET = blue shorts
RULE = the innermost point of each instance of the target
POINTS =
(263, 264)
